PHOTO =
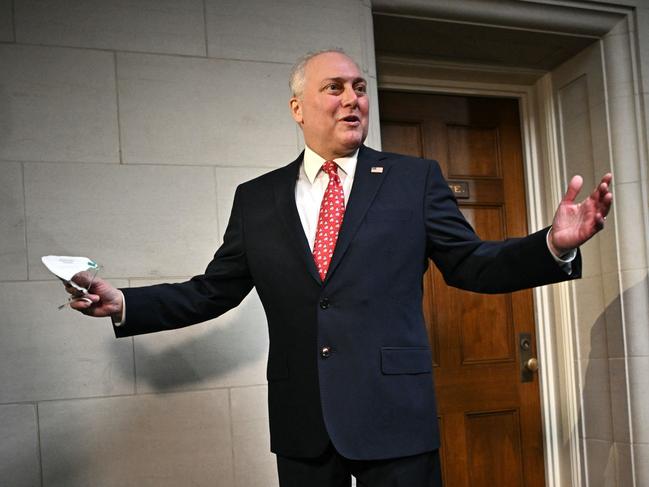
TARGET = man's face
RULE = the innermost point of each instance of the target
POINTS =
(334, 107)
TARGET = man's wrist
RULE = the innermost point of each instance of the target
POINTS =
(119, 317)
(556, 252)
(559, 256)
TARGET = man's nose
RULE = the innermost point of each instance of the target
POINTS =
(349, 98)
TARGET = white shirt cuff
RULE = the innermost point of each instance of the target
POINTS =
(123, 317)
(565, 260)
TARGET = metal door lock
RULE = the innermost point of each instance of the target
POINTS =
(529, 364)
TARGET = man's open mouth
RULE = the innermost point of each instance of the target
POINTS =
(351, 119)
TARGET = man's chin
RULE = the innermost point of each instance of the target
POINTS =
(353, 142)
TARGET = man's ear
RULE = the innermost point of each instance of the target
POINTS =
(295, 105)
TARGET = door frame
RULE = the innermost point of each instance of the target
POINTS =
(545, 299)
(554, 307)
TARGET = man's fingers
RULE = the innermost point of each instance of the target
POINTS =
(607, 178)
(83, 278)
(607, 200)
(602, 194)
(80, 304)
(84, 302)
(604, 186)
(573, 189)
(71, 289)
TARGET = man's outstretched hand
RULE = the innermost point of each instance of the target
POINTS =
(575, 223)
(105, 300)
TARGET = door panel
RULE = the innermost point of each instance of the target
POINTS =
(472, 151)
(494, 446)
(489, 421)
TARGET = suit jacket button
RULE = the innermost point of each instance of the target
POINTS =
(325, 352)
(324, 303)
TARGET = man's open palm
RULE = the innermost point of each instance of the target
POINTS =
(575, 223)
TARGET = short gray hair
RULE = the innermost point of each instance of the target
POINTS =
(297, 77)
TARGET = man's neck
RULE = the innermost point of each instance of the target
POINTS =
(328, 156)
(313, 162)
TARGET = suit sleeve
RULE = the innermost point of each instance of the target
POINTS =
(467, 262)
(223, 286)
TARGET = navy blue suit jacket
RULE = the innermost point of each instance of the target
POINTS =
(373, 396)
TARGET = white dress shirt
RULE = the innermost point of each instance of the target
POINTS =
(312, 183)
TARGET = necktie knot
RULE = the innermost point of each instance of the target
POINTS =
(331, 169)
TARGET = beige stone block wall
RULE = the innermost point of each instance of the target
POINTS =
(151, 440)
(614, 375)
(6, 24)
(19, 449)
(123, 136)
(57, 104)
(605, 129)
(13, 257)
(126, 127)
(165, 26)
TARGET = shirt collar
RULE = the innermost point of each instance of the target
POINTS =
(313, 163)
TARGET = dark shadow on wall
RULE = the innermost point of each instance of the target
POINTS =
(201, 356)
(185, 360)
(604, 419)
(5, 118)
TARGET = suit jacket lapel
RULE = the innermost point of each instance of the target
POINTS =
(289, 216)
(366, 185)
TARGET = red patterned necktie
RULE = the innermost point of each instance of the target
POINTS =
(332, 210)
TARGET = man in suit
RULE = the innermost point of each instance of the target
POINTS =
(336, 244)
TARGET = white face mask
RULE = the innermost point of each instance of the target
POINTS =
(65, 267)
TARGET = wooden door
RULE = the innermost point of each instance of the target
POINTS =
(490, 420)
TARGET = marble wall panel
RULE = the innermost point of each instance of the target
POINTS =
(165, 440)
(204, 111)
(591, 318)
(615, 340)
(632, 232)
(642, 15)
(164, 26)
(625, 150)
(47, 353)
(254, 463)
(13, 247)
(58, 104)
(639, 397)
(619, 400)
(641, 463)
(636, 311)
(596, 397)
(19, 455)
(601, 464)
(617, 49)
(282, 30)
(624, 464)
(6, 21)
(228, 351)
(135, 220)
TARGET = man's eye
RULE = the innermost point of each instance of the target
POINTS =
(332, 87)
(361, 88)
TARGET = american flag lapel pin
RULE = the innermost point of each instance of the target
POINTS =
(376, 169)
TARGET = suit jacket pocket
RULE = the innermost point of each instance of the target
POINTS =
(406, 360)
(277, 368)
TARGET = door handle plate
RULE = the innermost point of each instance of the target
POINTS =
(529, 363)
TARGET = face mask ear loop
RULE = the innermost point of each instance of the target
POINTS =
(75, 298)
